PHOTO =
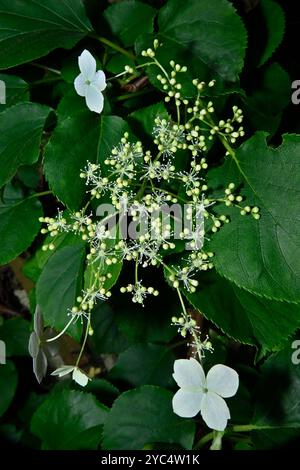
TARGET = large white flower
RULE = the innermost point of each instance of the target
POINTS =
(90, 83)
(204, 394)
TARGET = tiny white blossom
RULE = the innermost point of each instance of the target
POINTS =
(77, 375)
(90, 83)
(204, 394)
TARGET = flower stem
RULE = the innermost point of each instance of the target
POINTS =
(114, 46)
(43, 193)
(84, 340)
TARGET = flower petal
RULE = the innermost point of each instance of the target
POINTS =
(87, 65)
(188, 373)
(34, 345)
(214, 411)
(80, 85)
(99, 80)
(94, 99)
(187, 404)
(222, 380)
(64, 370)
(79, 377)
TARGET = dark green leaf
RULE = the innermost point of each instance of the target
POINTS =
(16, 90)
(107, 337)
(209, 31)
(145, 364)
(8, 381)
(264, 256)
(129, 19)
(15, 333)
(152, 420)
(19, 225)
(265, 105)
(21, 131)
(111, 131)
(59, 285)
(274, 22)
(68, 420)
(244, 316)
(73, 143)
(32, 28)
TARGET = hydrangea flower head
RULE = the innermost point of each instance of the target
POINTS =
(204, 394)
(90, 83)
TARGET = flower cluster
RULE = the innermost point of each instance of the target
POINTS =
(152, 208)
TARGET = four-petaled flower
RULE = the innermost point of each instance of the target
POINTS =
(204, 394)
(90, 83)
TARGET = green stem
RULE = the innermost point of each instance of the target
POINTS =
(45, 67)
(128, 96)
(204, 440)
(45, 81)
(114, 46)
(43, 193)
(84, 340)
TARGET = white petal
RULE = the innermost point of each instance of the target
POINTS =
(80, 85)
(188, 373)
(187, 404)
(94, 99)
(99, 80)
(87, 65)
(222, 380)
(79, 377)
(214, 411)
(64, 370)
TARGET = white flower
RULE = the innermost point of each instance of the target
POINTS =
(198, 393)
(90, 83)
(77, 375)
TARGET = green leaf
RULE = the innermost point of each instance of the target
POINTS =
(16, 90)
(265, 105)
(69, 420)
(59, 285)
(20, 138)
(145, 364)
(243, 316)
(264, 256)
(8, 381)
(32, 28)
(144, 118)
(111, 131)
(19, 224)
(107, 337)
(151, 421)
(277, 400)
(15, 333)
(209, 31)
(129, 19)
(274, 22)
(73, 142)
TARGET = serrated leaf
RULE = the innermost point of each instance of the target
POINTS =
(32, 28)
(243, 316)
(23, 217)
(264, 256)
(209, 31)
(144, 118)
(129, 19)
(8, 381)
(274, 22)
(107, 337)
(153, 421)
(69, 420)
(21, 131)
(58, 286)
(144, 364)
